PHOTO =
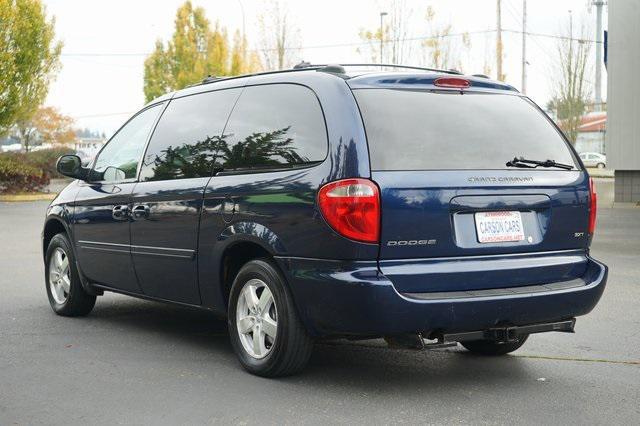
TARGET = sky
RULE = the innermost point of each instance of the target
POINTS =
(106, 41)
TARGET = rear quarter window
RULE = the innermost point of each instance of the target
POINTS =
(275, 126)
(427, 130)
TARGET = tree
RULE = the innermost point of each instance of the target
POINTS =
(242, 60)
(29, 59)
(46, 125)
(194, 51)
(392, 37)
(279, 36)
(442, 48)
(571, 94)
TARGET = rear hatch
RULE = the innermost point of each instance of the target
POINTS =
(454, 215)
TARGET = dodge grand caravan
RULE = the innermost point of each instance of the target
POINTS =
(423, 206)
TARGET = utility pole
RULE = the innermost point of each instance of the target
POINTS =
(598, 4)
(524, 46)
(382, 15)
(499, 76)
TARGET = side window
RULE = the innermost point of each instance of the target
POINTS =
(120, 157)
(187, 141)
(273, 126)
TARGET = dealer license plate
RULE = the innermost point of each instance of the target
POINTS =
(499, 227)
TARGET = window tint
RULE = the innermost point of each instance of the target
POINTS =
(419, 130)
(119, 159)
(188, 138)
(274, 126)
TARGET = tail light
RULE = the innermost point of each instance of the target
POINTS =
(455, 82)
(593, 206)
(352, 208)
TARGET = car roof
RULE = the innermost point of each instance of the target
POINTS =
(417, 78)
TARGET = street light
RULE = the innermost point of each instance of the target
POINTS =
(382, 15)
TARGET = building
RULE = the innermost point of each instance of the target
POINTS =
(623, 130)
(88, 147)
(591, 133)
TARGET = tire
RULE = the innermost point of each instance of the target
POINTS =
(288, 351)
(66, 296)
(600, 166)
(491, 348)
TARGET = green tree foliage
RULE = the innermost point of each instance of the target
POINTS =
(195, 51)
(29, 59)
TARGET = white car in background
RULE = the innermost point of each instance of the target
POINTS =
(594, 159)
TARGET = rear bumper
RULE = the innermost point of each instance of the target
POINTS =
(346, 298)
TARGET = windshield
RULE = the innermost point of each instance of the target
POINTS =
(423, 130)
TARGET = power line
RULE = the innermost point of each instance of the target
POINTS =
(557, 37)
(105, 114)
(317, 46)
(356, 44)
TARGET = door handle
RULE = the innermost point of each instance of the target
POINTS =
(141, 211)
(120, 212)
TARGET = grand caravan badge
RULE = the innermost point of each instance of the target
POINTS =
(500, 179)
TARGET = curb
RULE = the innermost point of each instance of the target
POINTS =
(16, 198)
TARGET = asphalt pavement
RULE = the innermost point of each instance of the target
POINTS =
(141, 362)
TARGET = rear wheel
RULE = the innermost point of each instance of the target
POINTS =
(64, 289)
(492, 348)
(266, 333)
(600, 165)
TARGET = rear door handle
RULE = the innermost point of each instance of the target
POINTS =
(120, 212)
(141, 211)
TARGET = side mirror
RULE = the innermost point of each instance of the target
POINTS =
(71, 166)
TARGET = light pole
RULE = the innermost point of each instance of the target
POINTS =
(382, 15)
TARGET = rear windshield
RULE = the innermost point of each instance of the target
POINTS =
(422, 130)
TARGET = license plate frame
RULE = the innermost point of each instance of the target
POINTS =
(499, 227)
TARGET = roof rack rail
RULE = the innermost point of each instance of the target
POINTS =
(330, 68)
(307, 65)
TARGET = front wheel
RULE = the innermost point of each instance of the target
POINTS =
(491, 348)
(266, 333)
(64, 289)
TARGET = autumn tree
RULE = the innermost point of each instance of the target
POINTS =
(195, 50)
(570, 86)
(280, 40)
(442, 49)
(243, 61)
(46, 125)
(29, 59)
(389, 43)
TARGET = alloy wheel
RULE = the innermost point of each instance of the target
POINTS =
(59, 276)
(256, 318)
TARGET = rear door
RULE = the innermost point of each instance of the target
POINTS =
(448, 196)
(167, 201)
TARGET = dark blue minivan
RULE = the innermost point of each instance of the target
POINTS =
(423, 206)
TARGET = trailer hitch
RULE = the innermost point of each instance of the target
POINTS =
(507, 334)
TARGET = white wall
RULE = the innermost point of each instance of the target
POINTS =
(623, 125)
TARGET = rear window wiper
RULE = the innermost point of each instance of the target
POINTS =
(532, 164)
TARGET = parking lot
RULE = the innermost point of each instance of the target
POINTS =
(134, 361)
